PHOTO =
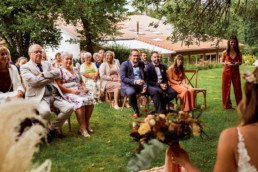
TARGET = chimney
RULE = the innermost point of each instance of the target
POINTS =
(137, 27)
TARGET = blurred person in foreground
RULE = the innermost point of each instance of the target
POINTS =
(237, 147)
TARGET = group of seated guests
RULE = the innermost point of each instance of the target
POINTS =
(154, 79)
(68, 89)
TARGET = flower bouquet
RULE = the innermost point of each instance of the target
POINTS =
(168, 130)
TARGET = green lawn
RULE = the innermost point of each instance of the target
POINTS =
(110, 147)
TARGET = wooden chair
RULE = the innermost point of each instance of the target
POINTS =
(110, 97)
(191, 79)
(138, 96)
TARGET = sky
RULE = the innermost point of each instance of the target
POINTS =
(129, 7)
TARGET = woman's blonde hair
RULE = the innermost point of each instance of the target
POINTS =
(112, 54)
(6, 50)
(248, 106)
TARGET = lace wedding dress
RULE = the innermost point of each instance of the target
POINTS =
(244, 159)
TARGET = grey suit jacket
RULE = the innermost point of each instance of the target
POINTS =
(35, 84)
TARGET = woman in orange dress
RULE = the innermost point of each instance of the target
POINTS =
(231, 59)
(176, 77)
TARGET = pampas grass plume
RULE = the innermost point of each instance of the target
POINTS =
(16, 153)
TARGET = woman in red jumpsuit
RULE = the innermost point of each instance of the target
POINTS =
(231, 59)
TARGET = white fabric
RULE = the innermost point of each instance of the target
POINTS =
(159, 75)
(15, 77)
(244, 159)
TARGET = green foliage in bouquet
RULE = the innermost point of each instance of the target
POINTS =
(143, 159)
(168, 129)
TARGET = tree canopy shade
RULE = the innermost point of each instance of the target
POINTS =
(26, 22)
(200, 18)
(98, 18)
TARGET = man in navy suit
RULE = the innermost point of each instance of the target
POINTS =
(132, 79)
(157, 82)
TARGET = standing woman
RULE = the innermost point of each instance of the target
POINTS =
(75, 92)
(11, 85)
(231, 59)
(110, 78)
(176, 77)
(90, 75)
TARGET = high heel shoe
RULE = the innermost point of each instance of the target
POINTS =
(116, 107)
(90, 129)
(85, 133)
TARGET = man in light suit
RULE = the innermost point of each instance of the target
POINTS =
(132, 79)
(39, 77)
(157, 81)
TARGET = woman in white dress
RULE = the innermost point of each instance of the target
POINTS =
(75, 92)
(11, 86)
(237, 147)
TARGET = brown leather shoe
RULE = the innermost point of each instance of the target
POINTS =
(135, 115)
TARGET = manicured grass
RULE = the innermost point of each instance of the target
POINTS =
(110, 147)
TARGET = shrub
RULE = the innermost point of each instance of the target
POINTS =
(248, 59)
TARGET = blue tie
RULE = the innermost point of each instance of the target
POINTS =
(49, 88)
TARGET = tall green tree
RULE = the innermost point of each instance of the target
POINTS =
(95, 19)
(206, 19)
(26, 22)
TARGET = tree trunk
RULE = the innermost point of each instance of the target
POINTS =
(89, 43)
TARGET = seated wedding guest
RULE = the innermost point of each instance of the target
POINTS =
(102, 53)
(57, 62)
(20, 61)
(11, 86)
(90, 75)
(132, 79)
(237, 147)
(97, 59)
(144, 58)
(176, 77)
(160, 59)
(39, 78)
(44, 55)
(110, 78)
(76, 93)
(116, 61)
(157, 81)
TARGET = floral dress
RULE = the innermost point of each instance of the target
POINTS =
(72, 81)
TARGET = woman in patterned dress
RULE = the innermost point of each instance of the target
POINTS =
(75, 92)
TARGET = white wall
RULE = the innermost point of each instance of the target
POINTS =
(73, 48)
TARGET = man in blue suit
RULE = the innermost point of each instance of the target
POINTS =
(157, 82)
(132, 79)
